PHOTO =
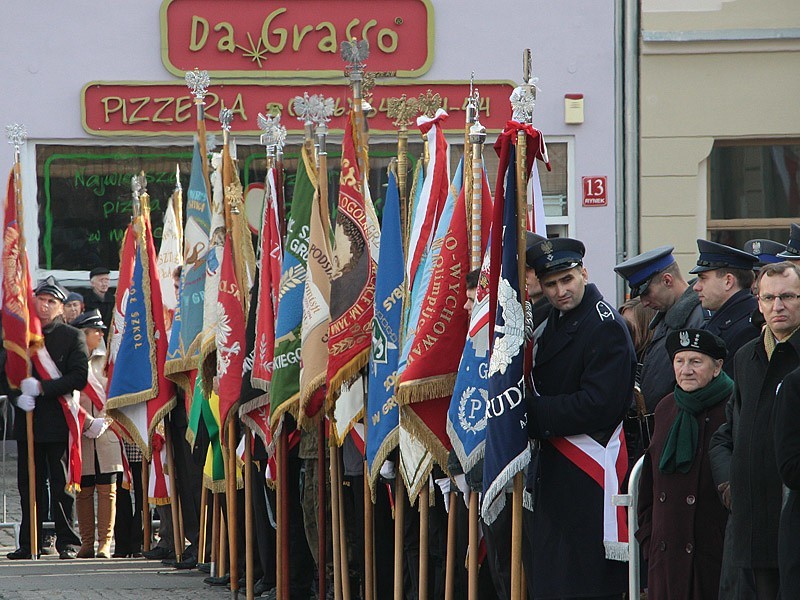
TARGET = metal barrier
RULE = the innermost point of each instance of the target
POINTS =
(631, 501)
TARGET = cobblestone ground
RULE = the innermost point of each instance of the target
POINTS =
(114, 579)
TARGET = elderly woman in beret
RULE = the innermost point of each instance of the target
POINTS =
(681, 517)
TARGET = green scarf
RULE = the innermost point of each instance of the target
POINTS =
(681, 443)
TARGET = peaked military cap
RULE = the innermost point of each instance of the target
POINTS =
(718, 256)
(792, 251)
(91, 318)
(638, 270)
(531, 239)
(52, 287)
(98, 271)
(698, 340)
(766, 251)
(557, 254)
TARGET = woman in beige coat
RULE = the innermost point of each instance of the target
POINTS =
(100, 448)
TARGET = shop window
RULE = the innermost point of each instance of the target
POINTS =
(754, 190)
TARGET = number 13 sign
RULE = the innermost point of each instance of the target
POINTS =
(595, 191)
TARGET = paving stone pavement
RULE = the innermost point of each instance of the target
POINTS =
(97, 579)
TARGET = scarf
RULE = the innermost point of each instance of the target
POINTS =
(681, 443)
(770, 341)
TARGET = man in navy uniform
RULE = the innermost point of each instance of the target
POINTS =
(654, 276)
(724, 278)
(67, 347)
(583, 373)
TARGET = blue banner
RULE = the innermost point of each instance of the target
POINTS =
(184, 343)
(382, 412)
(507, 450)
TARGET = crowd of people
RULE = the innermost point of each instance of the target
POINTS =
(699, 376)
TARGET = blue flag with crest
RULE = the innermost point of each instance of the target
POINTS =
(382, 411)
(507, 449)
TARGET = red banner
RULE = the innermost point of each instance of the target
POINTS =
(264, 38)
(151, 108)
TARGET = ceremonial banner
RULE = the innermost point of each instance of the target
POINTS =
(466, 417)
(428, 208)
(170, 257)
(353, 283)
(138, 380)
(382, 411)
(316, 311)
(184, 343)
(126, 263)
(285, 387)
(231, 343)
(269, 281)
(507, 451)
(21, 328)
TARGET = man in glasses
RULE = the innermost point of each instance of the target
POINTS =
(742, 451)
(654, 276)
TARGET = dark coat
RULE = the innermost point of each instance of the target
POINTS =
(658, 378)
(743, 452)
(787, 453)
(105, 304)
(584, 369)
(732, 323)
(681, 518)
(67, 347)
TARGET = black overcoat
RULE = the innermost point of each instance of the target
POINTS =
(732, 323)
(67, 347)
(681, 518)
(743, 452)
(787, 453)
(583, 370)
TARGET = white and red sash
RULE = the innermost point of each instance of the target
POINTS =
(606, 465)
(70, 404)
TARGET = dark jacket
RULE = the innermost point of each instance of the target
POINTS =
(583, 373)
(681, 518)
(67, 347)
(743, 452)
(733, 324)
(658, 378)
(787, 453)
(105, 304)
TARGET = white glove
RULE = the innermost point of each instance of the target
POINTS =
(26, 403)
(387, 470)
(96, 429)
(31, 387)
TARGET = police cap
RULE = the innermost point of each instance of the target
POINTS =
(52, 287)
(638, 270)
(91, 318)
(766, 251)
(792, 251)
(719, 256)
(557, 254)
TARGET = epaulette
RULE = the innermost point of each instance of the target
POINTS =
(604, 311)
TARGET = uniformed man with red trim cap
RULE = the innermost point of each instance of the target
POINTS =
(654, 276)
(583, 373)
(724, 278)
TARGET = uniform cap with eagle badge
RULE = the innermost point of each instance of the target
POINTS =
(696, 340)
(553, 255)
(531, 239)
(91, 318)
(714, 256)
(638, 270)
(766, 251)
(792, 251)
(52, 287)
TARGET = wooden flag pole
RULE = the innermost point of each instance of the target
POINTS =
(424, 509)
(146, 519)
(177, 540)
(342, 529)
(233, 549)
(201, 540)
(321, 507)
(399, 525)
(215, 513)
(336, 533)
(248, 516)
(17, 135)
